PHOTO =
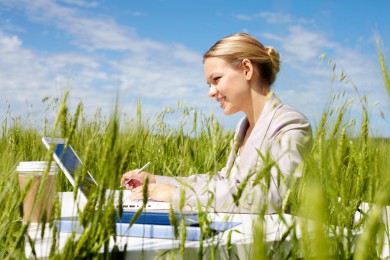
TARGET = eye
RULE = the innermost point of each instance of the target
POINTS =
(216, 79)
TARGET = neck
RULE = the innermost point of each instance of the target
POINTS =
(256, 105)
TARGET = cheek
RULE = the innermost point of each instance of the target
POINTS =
(230, 84)
(238, 86)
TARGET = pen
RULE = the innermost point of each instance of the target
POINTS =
(139, 171)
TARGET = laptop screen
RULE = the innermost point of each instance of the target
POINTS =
(72, 164)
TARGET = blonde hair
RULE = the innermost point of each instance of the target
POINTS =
(237, 47)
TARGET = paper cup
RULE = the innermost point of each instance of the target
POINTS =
(35, 208)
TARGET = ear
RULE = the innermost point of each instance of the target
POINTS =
(247, 67)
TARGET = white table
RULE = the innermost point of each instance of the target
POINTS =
(151, 248)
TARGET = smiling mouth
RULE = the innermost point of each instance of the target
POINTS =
(221, 101)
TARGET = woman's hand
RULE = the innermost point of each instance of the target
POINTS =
(136, 178)
(156, 191)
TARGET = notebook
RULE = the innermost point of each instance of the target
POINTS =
(69, 162)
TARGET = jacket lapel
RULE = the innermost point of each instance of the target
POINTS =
(256, 142)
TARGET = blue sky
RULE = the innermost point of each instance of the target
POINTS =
(153, 50)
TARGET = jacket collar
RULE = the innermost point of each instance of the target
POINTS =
(256, 139)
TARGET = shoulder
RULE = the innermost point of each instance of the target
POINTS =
(288, 118)
(290, 114)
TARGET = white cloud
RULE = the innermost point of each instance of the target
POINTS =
(137, 13)
(163, 78)
(89, 33)
(81, 3)
(272, 18)
(310, 87)
(10, 44)
(301, 45)
(159, 74)
(25, 74)
(275, 18)
(28, 75)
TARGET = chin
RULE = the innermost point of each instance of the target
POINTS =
(229, 112)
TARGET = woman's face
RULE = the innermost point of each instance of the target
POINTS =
(228, 85)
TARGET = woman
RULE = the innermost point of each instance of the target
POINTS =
(269, 141)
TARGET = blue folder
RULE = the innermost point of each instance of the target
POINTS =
(157, 217)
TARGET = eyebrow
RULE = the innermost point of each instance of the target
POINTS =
(211, 75)
(210, 78)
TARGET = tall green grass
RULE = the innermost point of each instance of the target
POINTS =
(345, 169)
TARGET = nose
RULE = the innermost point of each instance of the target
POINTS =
(212, 92)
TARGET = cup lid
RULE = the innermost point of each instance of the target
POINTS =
(36, 166)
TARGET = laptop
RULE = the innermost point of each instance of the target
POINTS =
(69, 162)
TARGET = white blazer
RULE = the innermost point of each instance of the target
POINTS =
(261, 175)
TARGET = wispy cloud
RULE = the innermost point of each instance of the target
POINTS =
(137, 13)
(26, 74)
(311, 87)
(272, 18)
(160, 74)
(302, 47)
(90, 33)
(81, 3)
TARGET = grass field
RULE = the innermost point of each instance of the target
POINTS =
(346, 167)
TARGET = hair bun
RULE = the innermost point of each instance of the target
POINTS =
(275, 58)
